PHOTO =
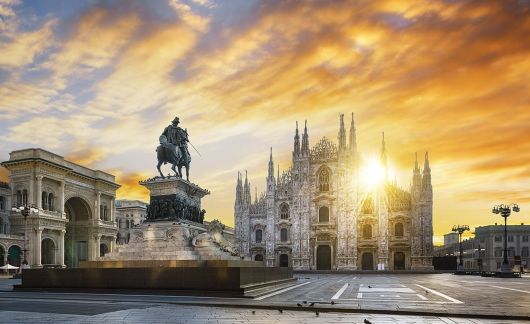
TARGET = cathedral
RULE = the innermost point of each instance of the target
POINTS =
(320, 214)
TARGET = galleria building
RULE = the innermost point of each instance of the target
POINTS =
(320, 215)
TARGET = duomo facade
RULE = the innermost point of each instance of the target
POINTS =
(318, 215)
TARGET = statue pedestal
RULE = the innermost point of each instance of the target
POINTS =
(173, 198)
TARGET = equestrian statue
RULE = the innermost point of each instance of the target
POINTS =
(173, 149)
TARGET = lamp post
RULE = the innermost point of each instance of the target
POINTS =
(460, 229)
(25, 211)
(505, 211)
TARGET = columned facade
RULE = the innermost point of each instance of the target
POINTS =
(69, 198)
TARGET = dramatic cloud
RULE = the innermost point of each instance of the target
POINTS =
(99, 84)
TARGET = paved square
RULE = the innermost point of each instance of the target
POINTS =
(342, 298)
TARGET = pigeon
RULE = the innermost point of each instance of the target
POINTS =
(316, 313)
(426, 292)
(332, 302)
(312, 304)
(299, 305)
(305, 302)
(280, 310)
(253, 312)
(367, 321)
(369, 286)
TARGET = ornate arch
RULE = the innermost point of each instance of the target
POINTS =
(51, 238)
(84, 199)
(13, 244)
(323, 177)
(284, 211)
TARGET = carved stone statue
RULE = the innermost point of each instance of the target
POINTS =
(173, 149)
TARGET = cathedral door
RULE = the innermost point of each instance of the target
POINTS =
(368, 261)
(399, 261)
(284, 260)
(323, 257)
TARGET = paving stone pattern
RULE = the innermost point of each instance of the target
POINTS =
(198, 314)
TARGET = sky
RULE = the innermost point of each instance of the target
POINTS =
(97, 82)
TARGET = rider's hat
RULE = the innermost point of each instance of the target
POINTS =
(176, 120)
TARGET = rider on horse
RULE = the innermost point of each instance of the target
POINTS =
(174, 142)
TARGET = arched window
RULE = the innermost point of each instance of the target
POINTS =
(51, 205)
(398, 229)
(259, 235)
(284, 211)
(323, 214)
(25, 197)
(44, 200)
(19, 198)
(367, 231)
(323, 180)
(283, 235)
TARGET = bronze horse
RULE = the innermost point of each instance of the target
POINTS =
(172, 154)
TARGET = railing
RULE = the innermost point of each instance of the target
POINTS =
(11, 236)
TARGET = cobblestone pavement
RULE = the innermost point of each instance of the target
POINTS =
(198, 314)
(341, 298)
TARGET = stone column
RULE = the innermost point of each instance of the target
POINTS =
(37, 248)
(61, 197)
(112, 209)
(112, 242)
(98, 242)
(61, 248)
(5, 260)
(90, 246)
(39, 191)
(31, 191)
(98, 205)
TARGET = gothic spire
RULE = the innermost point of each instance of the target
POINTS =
(426, 180)
(353, 137)
(271, 167)
(384, 163)
(342, 134)
(296, 152)
(238, 189)
(246, 190)
(305, 141)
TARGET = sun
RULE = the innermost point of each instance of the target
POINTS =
(372, 174)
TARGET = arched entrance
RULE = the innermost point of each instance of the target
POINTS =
(76, 237)
(367, 262)
(258, 257)
(103, 249)
(47, 251)
(323, 257)
(399, 261)
(13, 255)
(284, 260)
(2, 255)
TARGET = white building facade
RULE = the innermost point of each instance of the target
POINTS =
(488, 246)
(129, 213)
(318, 215)
(75, 217)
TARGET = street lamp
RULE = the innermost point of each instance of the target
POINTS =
(25, 211)
(505, 211)
(460, 229)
